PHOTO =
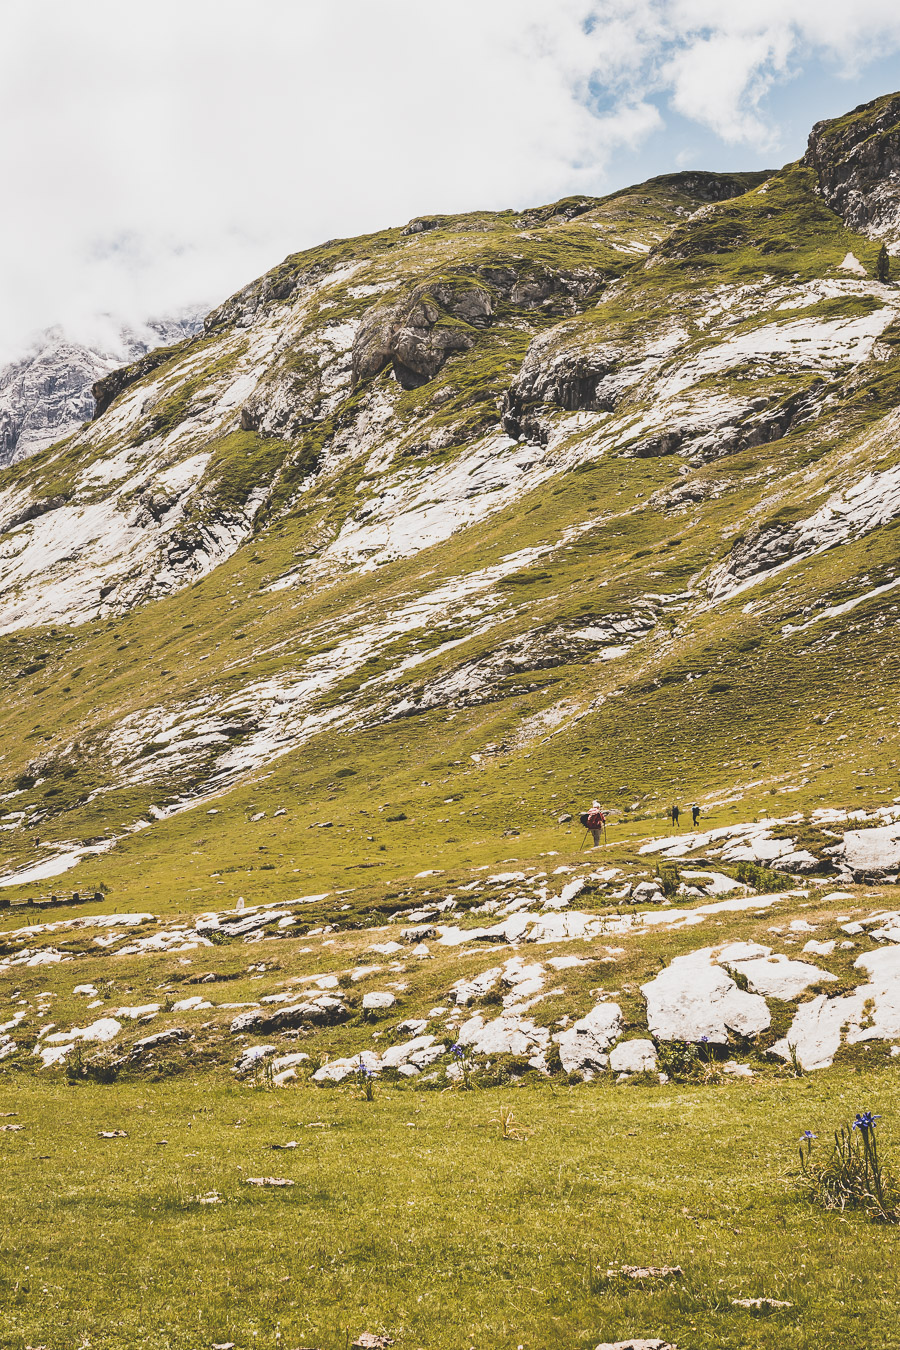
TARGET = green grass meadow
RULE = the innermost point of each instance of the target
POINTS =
(412, 1216)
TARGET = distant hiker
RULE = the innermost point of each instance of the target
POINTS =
(695, 816)
(595, 821)
(675, 814)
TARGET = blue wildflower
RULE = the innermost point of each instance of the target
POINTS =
(458, 1051)
(865, 1121)
(808, 1136)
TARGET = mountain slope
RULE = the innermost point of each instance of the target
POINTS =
(503, 510)
(47, 394)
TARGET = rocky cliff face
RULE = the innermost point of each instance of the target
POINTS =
(857, 162)
(48, 394)
(607, 482)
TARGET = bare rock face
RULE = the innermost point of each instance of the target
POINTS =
(49, 393)
(857, 161)
(418, 333)
(46, 395)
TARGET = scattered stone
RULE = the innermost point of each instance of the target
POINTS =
(736, 1070)
(378, 1001)
(367, 1340)
(147, 1043)
(637, 1345)
(646, 892)
(414, 1026)
(112, 1134)
(637, 1056)
(268, 1181)
(583, 1046)
(820, 948)
(760, 1304)
(646, 1272)
(12, 1127)
(253, 1056)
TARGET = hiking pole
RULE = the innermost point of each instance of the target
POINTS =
(586, 833)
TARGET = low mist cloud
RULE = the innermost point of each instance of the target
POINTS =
(158, 157)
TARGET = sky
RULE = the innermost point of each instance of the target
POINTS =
(158, 157)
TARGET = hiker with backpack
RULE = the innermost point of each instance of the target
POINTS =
(675, 813)
(695, 816)
(595, 821)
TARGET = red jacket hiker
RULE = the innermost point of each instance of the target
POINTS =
(595, 822)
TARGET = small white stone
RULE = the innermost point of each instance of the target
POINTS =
(378, 999)
(638, 1056)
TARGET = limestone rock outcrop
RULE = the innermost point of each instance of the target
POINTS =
(857, 162)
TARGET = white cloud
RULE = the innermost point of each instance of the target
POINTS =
(164, 154)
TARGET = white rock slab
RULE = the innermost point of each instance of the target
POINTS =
(820, 948)
(633, 1057)
(104, 1029)
(584, 1044)
(742, 951)
(396, 1055)
(503, 1036)
(336, 1070)
(779, 977)
(870, 852)
(465, 991)
(694, 998)
(883, 969)
(757, 848)
(713, 883)
(377, 1000)
(817, 1029)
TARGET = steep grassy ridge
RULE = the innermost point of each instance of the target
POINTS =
(593, 532)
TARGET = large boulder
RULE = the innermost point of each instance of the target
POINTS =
(871, 855)
(633, 1057)
(507, 1035)
(583, 1045)
(694, 999)
(322, 1011)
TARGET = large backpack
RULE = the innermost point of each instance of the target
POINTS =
(594, 820)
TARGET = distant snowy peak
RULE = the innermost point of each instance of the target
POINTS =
(46, 395)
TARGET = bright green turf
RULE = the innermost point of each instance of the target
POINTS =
(412, 1216)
